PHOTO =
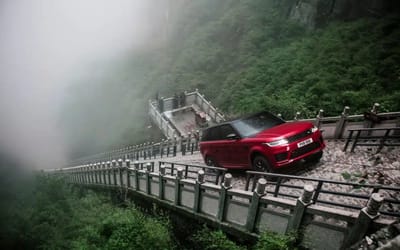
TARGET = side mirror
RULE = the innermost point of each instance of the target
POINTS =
(232, 136)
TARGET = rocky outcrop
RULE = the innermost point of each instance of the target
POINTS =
(316, 13)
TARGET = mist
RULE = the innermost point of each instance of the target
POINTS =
(44, 47)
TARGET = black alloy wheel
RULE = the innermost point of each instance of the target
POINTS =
(260, 163)
(210, 161)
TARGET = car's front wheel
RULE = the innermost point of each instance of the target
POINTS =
(260, 163)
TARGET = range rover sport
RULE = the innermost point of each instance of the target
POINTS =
(262, 142)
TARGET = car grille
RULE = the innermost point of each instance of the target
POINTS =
(304, 150)
(299, 136)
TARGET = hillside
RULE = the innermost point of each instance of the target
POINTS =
(245, 56)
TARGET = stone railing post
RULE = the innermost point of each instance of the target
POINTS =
(197, 191)
(120, 171)
(341, 123)
(297, 116)
(226, 185)
(196, 141)
(84, 171)
(178, 177)
(127, 169)
(258, 193)
(109, 172)
(168, 146)
(136, 173)
(148, 180)
(302, 203)
(319, 117)
(174, 148)
(370, 123)
(183, 145)
(162, 148)
(366, 216)
(161, 182)
(114, 171)
(92, 180)
(104, 173)
(96, 172)
(375, 108)
(88, 175)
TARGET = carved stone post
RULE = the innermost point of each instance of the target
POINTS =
(136, 173)
(302, 203)
(174, 149)
(226, 185)
(341, 123)
(91, 166)
(148, 180)
(197, 139)
(319, 117)
(109, 172)
(258, 193)
(128, 177)
(161, 182)
(197, 191)
(183, 145)
(370, 123)
(114, 170)
(120, 171)
(375, 108)
(366, 216)
(104, 173)
(178, 177)
(162, 148)
(297, 116)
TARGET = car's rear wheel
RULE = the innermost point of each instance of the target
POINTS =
(260, 163)
(210, 161)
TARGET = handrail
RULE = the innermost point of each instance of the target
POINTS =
(279, 181)
(193, 169)
(369, 136)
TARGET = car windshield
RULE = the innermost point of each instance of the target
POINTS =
(253, 125)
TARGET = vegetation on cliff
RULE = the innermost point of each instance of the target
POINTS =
(245, 56)
(38, 212)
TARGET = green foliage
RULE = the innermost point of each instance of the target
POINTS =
(273, 241)
(245, 56)
(47, 213)
(59, 218)
(213, 240)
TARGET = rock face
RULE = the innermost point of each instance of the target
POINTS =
(315, 13)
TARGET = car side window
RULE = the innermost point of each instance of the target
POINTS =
(213, 134)
(226, 130)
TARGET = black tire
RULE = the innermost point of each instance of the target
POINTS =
(315, 158)
(260, 163)
(210, 161)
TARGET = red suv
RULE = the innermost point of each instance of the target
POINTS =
(262, 142)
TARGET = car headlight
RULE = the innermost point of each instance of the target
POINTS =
(277, 143)
(314, 129)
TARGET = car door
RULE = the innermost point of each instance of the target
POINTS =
(214, 145)
(227, 144)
